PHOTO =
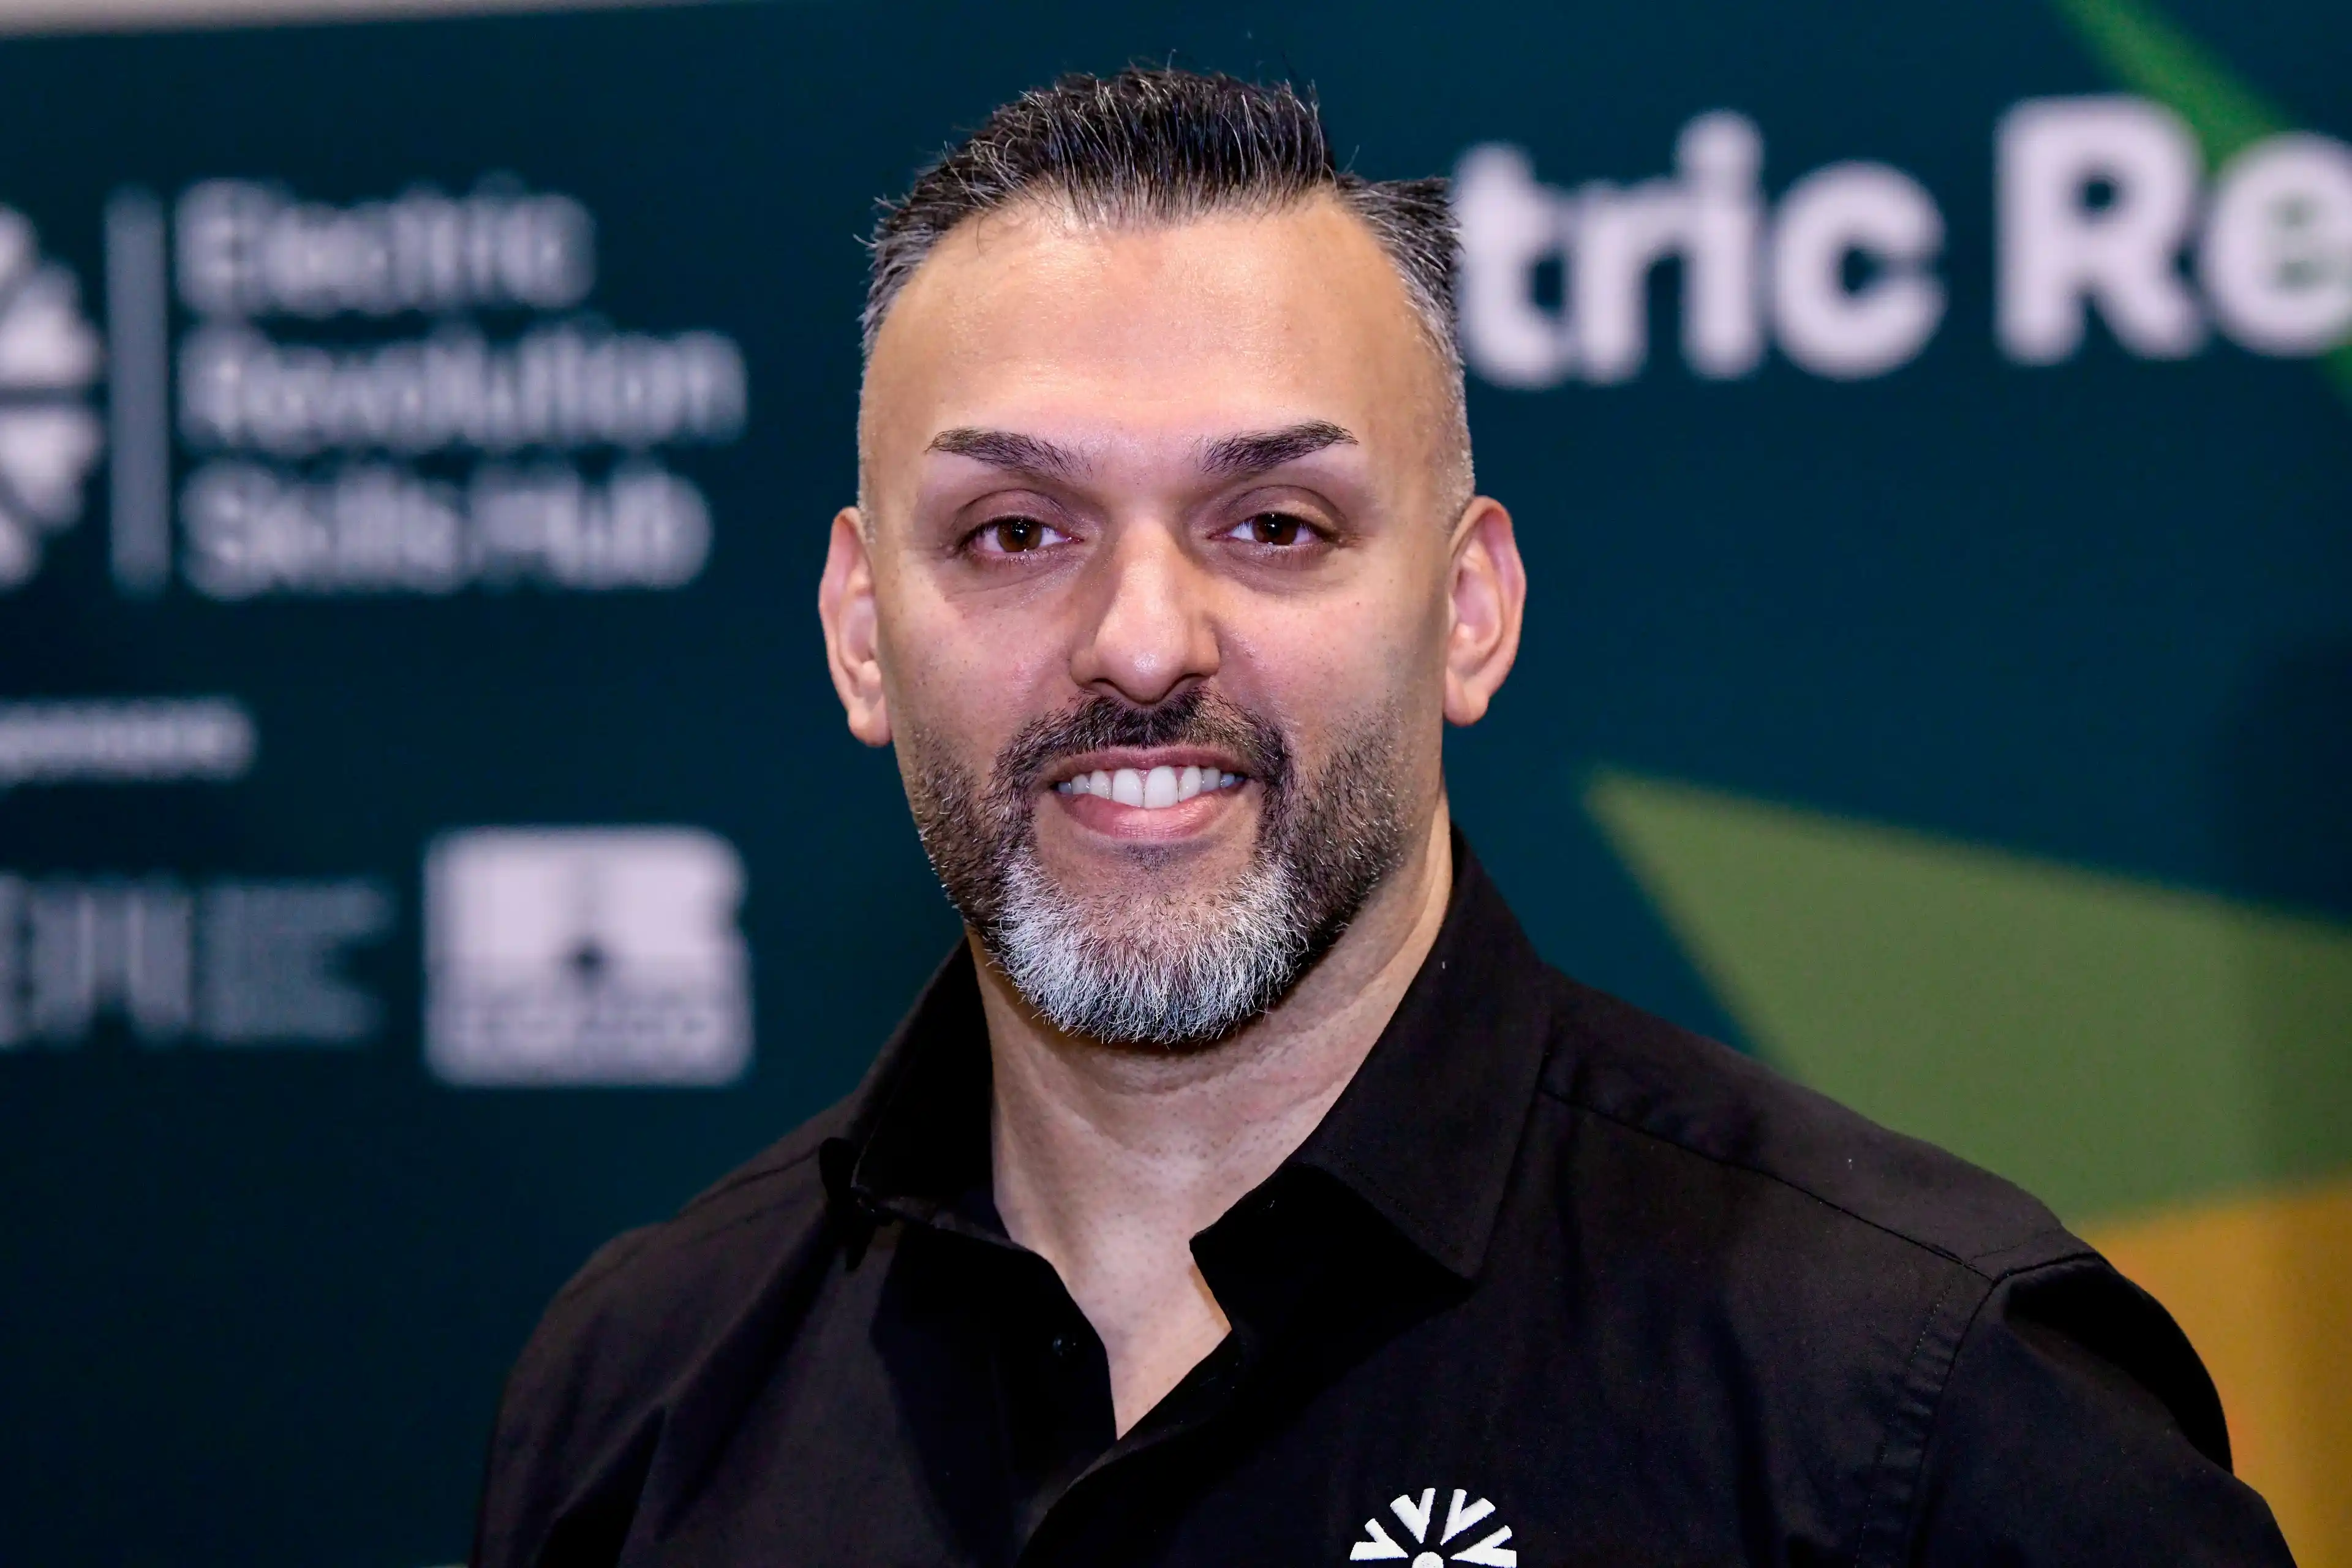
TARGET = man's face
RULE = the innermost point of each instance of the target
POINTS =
(1156, 595)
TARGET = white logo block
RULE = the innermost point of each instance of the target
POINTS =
(50, 439)
(575, 956)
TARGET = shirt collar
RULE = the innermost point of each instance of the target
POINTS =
(1427, 1131)
(1425, 1134)
(918, 1140)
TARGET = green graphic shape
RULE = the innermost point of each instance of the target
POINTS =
(2152, 57)
(2111, 1046)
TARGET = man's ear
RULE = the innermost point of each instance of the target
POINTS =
(844, 602)
(1489, 592)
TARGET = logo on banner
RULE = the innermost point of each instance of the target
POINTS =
(606, 955)
(49, 438)
(2104, 208)
(229, 962)
(407, 395)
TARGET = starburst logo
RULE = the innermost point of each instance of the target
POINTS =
(49, 358)
(1463, 1519)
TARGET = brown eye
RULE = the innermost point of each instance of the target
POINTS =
(1013, 536)
(1273, 528)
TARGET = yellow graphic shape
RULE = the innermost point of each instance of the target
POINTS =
(2263, 1287)
(2172, 1072)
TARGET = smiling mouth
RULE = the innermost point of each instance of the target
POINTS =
(1153, 789)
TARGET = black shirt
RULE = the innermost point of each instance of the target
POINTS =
(1553, 1283)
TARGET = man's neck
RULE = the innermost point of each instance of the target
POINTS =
(1107, 1161)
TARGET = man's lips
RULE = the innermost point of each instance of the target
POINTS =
(1151, 779)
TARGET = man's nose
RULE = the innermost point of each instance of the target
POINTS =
(1149, 631)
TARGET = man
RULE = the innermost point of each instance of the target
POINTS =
(1245, 1190)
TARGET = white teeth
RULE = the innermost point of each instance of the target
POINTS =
(1153, 789)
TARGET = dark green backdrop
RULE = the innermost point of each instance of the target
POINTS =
(256, 1298)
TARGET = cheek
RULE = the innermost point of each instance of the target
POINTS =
(1354, 653)
(970, 678)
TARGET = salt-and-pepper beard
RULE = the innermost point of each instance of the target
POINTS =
(1188, 966)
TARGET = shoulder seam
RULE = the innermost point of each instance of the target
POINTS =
(1774, 1176)
(644, 1236)
(1887, 1433)
(745, 1178)
(1910, 1488)
(1997, 1273)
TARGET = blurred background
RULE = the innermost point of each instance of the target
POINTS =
(428, 843)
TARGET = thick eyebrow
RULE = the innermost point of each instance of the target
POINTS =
(1241, 457)
(1012, 451)
(1226, 458)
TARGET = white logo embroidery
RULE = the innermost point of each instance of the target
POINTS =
(1461, 1515)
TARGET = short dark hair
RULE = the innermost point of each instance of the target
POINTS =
(1162, 146)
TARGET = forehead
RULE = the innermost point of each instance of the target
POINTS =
(1031, 319)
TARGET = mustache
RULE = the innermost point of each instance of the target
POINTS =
(1194, 717)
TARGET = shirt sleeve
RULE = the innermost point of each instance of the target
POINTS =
(2078, 1428)
(565, 1459)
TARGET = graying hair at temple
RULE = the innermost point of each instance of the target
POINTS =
(1155, 146)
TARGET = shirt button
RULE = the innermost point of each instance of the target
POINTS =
(1062, 1346)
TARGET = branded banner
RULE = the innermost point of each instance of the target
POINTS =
(429, 843)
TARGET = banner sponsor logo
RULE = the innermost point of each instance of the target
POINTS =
(605, 955)
(224, 961)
